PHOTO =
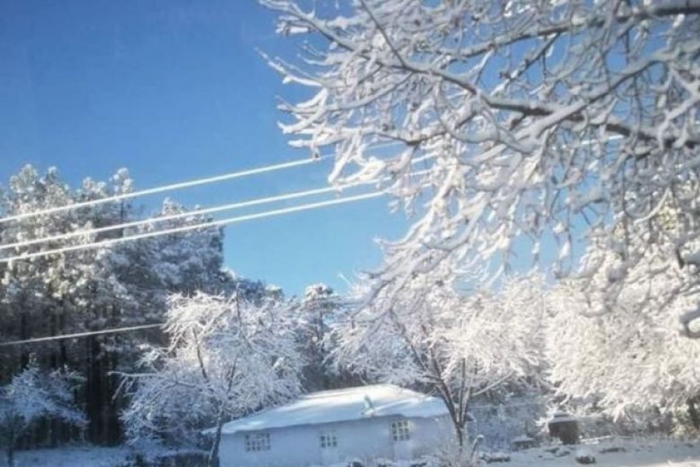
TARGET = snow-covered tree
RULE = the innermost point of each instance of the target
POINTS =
(255, 291)
(70, 292)
(33, 395)
(613, 336)
(538, 121)
(454, 345)
(226, 357)
(86, 290)
(183, 262)
(30, 286)
(316, 316)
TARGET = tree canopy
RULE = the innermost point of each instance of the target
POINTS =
(544, 125)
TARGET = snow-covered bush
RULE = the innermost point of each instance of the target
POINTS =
(451, 454)
(584, 456)
(502, 423)
(35, 395)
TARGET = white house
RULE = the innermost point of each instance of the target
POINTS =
(323, 428)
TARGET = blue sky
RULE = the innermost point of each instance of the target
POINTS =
(174, 90)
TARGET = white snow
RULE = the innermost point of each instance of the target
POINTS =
(634, 453)
(342, 405)
(88, 456)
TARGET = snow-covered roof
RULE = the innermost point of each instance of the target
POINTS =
(340, 405)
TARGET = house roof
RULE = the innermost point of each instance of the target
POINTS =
(381, 400)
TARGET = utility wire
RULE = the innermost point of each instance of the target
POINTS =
(170, 231)
(217, 223)
(212, 210)
(164, 188)
(188, 184)
(156, 220)
(153, 234)
(158, 325)
(81, 334)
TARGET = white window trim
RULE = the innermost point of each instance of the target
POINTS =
(401, 430)
(257, 441)
(328, 439)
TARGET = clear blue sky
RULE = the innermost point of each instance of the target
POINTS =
(174, 90)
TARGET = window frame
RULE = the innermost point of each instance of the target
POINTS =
(328, 439)
(257, 441)
(401, 430)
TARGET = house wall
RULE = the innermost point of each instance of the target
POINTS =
(432, 433)
(370, 438)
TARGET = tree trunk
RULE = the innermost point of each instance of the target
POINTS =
(693, 413)
(112, 401)
(460, 435)
(475, 448)
(11, 445)
(63, 349)
(213, 460)
(24, 334)
(93, 390)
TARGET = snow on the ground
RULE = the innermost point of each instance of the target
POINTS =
(610, 453)
(614, 453)
(89, 456)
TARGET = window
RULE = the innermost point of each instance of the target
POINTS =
(400, 430)
(329, 440)
(255, 442)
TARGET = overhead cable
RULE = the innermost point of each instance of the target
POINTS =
(188, 228)
(165, 188)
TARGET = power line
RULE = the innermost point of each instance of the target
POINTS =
(81, 334)
(189, 184)
(212, 210)
(153, 234)
(155, 220)
(184, 229)
(164, 188)
(217, 223)
(165, 232)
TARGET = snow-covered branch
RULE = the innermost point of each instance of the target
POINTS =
(538, 120)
